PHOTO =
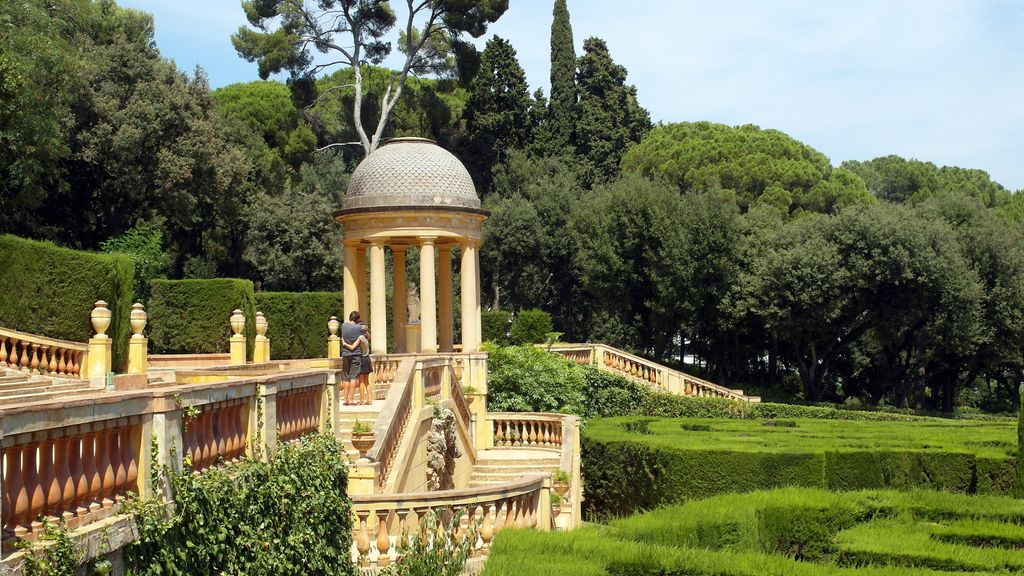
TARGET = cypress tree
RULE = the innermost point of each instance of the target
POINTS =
(497, 111)
(562, 114)
(610, 119)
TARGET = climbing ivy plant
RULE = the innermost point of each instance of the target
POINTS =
(288, 515)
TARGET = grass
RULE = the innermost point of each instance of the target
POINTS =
(791, 531)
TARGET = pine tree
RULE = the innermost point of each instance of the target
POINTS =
(562, 116)
(610, 118)
(497, 112)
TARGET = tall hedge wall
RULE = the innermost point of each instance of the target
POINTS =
(298, 321)
(192, 316)
(50, 291)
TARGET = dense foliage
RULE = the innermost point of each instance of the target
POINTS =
(52, 291)
(788, 532)
(192, 316)
(641, 463)
(290, 515)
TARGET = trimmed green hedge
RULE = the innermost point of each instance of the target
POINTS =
(641, 463)
(192, 316)
(495, 326)
(50, 291)
(298, 321)
(531, 327)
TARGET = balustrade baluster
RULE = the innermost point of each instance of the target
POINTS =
(79, 479)
(53, 359)
(106, 467)
(205, 431)
(23, 361)
(486, 528)
(36, 496)
(16, 490)
(363, 539)
(131, 472)
(6, 508)
(117, 442)
(499, 516)
(90, 458)
(63, 472)
(33, 358)
(383, 539)
(403, 517)
(3, 350)
(219, 426)
(231, 433)
(48, 478)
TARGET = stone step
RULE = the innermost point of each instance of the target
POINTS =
(39, 388)
(44, 396)
(524, 463)
(13, 378)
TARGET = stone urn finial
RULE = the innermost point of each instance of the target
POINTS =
(100, 318)
(333, 325)
(237, 322)
(261, 324)
(138, 319)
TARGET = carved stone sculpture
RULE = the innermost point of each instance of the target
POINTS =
(413, 305)
(442, 450)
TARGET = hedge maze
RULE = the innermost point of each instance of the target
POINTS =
(633, 464)
(789, 531)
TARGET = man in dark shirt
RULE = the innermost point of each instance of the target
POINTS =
(351, 358)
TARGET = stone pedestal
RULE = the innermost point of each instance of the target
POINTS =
(412, 337)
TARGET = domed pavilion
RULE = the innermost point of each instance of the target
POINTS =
(411, 192)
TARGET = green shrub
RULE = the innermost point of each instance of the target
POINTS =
(528, 379)
(495, 326)
(530, 327)
(291, 515)
(50, 291)
(297, 321)
(1018, 486)
(192, 316)
(640, 463)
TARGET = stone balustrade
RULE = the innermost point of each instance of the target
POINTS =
(527, 430)
(380, 519)
(74, 473)
(217, 434)
(385, 368)
(393, 421)
(645, 371)
(33, 354)
(433, 377)
(298, 412)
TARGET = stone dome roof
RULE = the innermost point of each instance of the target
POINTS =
(410, 173)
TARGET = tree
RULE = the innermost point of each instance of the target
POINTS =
(897, 179)
(747, 162)
(352, 32)
(563, 101)
(497, 112)
(610, 119)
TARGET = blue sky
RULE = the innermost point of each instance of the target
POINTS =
(937, 80)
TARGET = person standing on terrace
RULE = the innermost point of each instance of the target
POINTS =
(351, 356)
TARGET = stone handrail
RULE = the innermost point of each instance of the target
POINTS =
(457, 396)
(41, 355)
(642, 370)
(392, 420)
(527, 429)
(381, 519)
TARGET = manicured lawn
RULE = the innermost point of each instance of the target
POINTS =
(791, 531)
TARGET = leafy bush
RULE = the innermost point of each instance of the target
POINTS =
(527, 379)
(298, 321)
(51, 291)
(443, 557)
(495, 326)
(144, 245)
(290, 515)
(530, 327)
(191, 316)
(641, 463)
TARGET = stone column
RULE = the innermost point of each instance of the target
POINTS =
(477, 323)
(378, 299)
(428, 298)
(351, 284)
(446, 327)
(364, 300)
(470, 317)
(399, 306)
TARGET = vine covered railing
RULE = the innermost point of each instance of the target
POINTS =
(33, 354)
(298, 412)
(217, 433)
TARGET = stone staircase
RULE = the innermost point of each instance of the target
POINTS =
(16, 387)
(347, 416)
(501, 466)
